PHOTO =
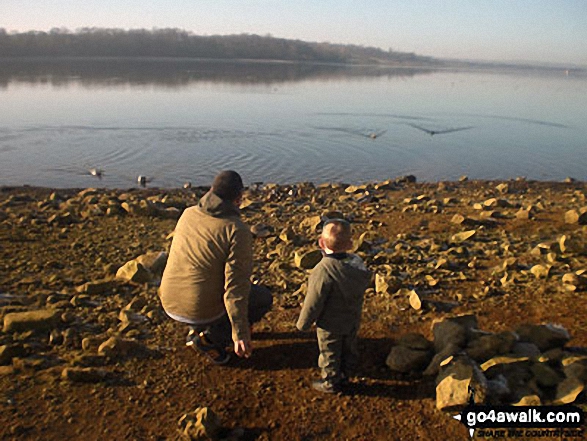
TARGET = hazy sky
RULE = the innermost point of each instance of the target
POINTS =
(535, 30)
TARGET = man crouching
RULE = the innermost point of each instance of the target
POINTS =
(206, 283)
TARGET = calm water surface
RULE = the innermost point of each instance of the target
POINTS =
(183, 121)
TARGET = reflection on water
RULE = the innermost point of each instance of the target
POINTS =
(179, 72)
(183, 120)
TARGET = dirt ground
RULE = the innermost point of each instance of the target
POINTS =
(268, 395)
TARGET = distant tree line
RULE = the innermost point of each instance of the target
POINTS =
(99, 42)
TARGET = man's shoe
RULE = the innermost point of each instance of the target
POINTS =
(200, 342)
(325, 386)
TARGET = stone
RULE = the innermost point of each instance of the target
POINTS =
(455, 382)
(84, 375)
(455, 330)
(576, 217)
(39, 320)
(154, 262)
(577, 369)
(503, 188)
(133, 271)
(311, 223)
(554, 355)
(498, 389)
(568, 390)
(502, 360)
(8, 352)
(522, 214)
(529, 399)
(115, 210)
(307, 260)
(571, 279)
(200, 425)
(545, 375)
(116, 347)
(569, 244)
(386, 284)
(362, 244)
(89, 360)
(416, 300)
(169, 213)
(288, 235)
(385, 185)
(127, 316)
(525, 349)
(458, 219)
(6, 370)
(414, 340)
(544, 336)
(261, 231)
(405, 360)
(488, 346)
(90, 343)
(434, 366)
(96, 287)
(463, 236)
(541, 271)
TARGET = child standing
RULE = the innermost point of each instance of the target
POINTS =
(334, 302)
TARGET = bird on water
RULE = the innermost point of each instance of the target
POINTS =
(439, 132)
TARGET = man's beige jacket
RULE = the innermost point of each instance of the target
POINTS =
(209, 267)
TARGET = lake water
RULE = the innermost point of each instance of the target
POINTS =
(177, 121)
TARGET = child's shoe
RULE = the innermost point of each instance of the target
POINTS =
(200, 342)
(325, 386)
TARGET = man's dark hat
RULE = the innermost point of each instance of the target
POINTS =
(227, 185)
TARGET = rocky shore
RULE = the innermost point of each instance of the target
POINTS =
(476, 283)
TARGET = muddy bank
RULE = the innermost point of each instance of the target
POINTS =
(87, 354)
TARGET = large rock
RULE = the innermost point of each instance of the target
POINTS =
(488, 346)
(405, 360)
(517, 371)
(568, 390)
(133, 271)
(39, 320)
(525, 349)
(503, 360)
(498, 390)
(200, 425)
(413, 340)
(544, 336)
(575, 367)
(453, 330)
(434, 366)
(545, 375)
(455, 383)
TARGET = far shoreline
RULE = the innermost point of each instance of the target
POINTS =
(446, 65)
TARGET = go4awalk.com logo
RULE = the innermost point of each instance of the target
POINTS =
(523, 421)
